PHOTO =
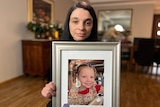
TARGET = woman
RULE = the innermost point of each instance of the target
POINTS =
(80, 25)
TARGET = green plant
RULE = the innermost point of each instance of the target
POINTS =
(44, 30)
(37, 28)
(57, 27)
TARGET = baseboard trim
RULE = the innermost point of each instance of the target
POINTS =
(4, 82)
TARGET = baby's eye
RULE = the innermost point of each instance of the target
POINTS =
(83, 76)
(91, 77)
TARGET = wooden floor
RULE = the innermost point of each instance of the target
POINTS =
(22, 92)
(138, 89)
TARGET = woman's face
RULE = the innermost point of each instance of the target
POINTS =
(80, 24)
(86, 77)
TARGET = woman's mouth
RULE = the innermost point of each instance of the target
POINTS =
(80, 34)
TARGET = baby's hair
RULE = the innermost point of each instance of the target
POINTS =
(86, 65)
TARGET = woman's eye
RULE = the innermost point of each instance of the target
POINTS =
(75, 21)
(88, 23)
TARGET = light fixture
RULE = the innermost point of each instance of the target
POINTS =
(158, 24)
(158, 32)
(119, 28)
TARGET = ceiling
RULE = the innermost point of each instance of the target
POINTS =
(99, 1)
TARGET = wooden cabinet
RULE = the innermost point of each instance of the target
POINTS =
(36, 57)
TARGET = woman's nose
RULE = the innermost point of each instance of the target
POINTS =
(81, 26)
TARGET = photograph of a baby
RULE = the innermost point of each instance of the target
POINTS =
(85, 82)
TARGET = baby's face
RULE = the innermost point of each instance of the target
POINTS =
(86, 77)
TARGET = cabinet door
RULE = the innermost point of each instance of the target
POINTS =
(36, 57)
(46, 58)
(32, 58)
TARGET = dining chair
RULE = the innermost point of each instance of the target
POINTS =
(156, 58)
(157, 42)
(143, 55)
(125, 57)
(136, 42)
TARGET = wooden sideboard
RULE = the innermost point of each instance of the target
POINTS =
(36, 57)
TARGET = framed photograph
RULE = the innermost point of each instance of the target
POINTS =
(86, 74)
(41, 11)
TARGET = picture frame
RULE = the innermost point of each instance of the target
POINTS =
(108, 52)
(112, 17)
(41, 11)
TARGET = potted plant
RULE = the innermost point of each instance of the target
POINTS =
(39, 29)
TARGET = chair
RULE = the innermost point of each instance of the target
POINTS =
(125, 56)
(156, 59)
(143, 56)
(136, 40)
(157, 42)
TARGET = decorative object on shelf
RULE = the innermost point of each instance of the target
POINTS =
(56, 35)
(45, 30)
(58, 28)
(39, 29)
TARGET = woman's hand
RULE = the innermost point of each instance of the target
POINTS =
(49, 90)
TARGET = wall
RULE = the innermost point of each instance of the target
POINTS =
(13, 30)
(13, 19)
(61, 9)
(141, 19)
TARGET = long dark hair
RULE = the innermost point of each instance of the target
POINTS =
(66, 33)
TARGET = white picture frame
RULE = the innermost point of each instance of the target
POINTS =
(109, 52)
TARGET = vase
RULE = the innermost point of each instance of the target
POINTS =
(37, 36)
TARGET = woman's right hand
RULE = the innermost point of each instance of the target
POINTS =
(49, 90)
